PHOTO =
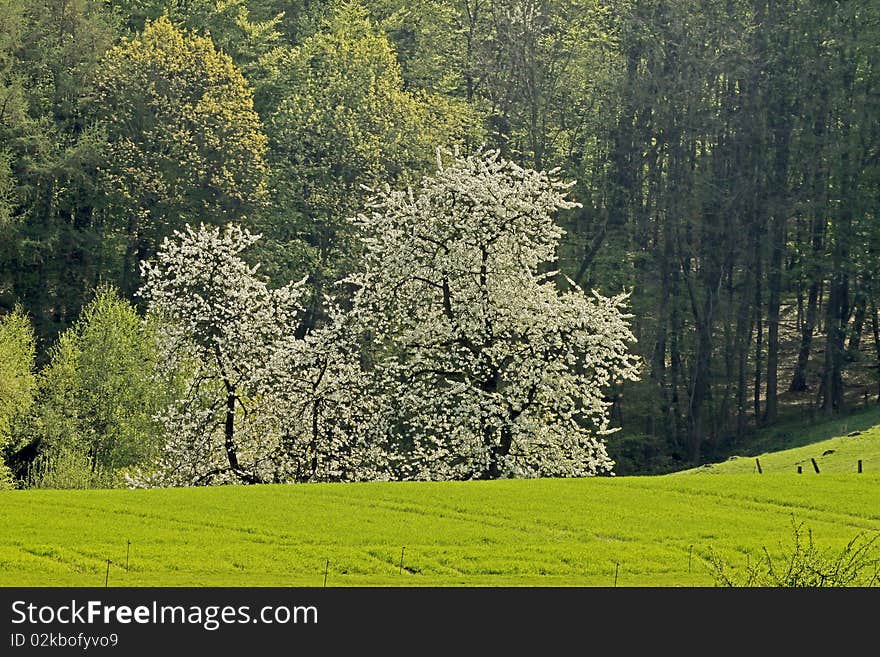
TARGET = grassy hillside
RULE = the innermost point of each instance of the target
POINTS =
(628, 531)
(836, 445)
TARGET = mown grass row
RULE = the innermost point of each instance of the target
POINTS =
(627, 531)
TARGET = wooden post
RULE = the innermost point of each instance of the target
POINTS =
(401, 559)
(815, 465)
(800, 470)
(860, 466)
(690, 555)
(616, 570)
(107, 576)
(758, 463)
(326, 570)
(127, 554)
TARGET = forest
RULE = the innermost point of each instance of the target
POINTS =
(697, 188)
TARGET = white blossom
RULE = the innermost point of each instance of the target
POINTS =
(221, 326)
(486, 367)
(326, 407)
(460, 357)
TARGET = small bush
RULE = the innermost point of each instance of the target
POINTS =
(805, 565)
(69, 468)
(6, 480)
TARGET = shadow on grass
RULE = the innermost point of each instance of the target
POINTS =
(802, 431)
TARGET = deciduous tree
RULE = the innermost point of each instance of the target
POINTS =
(184, 143)
(99, 394)
(220, 325)
(489, 368)
(344, 122)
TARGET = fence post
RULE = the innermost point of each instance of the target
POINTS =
(815, 465)
(860, 466)
(758, 463)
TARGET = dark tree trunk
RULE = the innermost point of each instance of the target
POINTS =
(837, 311)
(701, 389)
(778, 236)
(799, 379)
(774, 284)
(745, 325)
(832, 375)
(875, 325)
(497, 452)
(229, 429)
(759, 335)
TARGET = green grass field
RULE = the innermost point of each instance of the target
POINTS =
(628, 531)
(625, 531)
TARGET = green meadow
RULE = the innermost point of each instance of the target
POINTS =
(636, 531)
(626, 531)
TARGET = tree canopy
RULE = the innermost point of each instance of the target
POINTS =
(184, 143)
(493, 370)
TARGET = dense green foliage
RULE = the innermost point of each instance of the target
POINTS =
(97, 397)
(725, 154)
(17, 381)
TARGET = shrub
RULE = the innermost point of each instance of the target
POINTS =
(805, 565)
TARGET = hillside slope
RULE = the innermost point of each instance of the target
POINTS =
(836, 446)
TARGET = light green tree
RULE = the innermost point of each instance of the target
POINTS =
(98, 396)
(346, 123)
(17, 380)
(184, 142)
(243, 29)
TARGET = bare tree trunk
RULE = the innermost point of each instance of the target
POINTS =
(774, 282)
(745, 325)
(875, 325)
(759, 335)
(229, 429)
(799, 379)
